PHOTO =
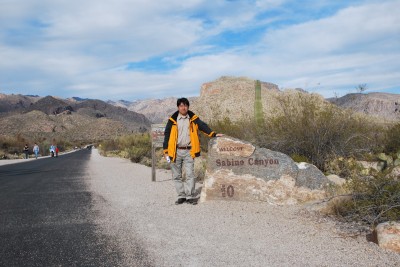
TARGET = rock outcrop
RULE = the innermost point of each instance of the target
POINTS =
(237, 170)
(380, 105)
(233, 98)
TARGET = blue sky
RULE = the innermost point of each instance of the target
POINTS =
(134, 49)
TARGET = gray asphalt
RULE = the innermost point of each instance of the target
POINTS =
(47, 216)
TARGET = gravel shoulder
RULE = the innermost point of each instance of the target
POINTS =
(133, 210)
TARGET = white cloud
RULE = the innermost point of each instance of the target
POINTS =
(81, 47)
(354, 28)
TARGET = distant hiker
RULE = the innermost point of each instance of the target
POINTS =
(57, 150)
(26, 151)
(36, 150)
(52, 150)
(181, 146)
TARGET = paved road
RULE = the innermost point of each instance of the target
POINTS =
(47, 216)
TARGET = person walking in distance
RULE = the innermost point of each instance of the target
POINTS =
(36, 150)
(52, 150)
(26, 151)
(181, 146)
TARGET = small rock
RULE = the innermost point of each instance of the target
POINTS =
(396, 162)
(395, 173)
(382, 156)
(369, 165)
(382, 165)
(389, 160)
(336, 179)
(388, 235)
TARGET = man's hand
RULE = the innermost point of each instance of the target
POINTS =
(219, 135)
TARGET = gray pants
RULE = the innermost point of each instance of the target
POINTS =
(184, 189)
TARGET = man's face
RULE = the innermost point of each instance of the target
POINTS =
(183, 109)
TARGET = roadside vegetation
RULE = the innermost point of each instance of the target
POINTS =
(11, 147)
(136, 147)
(317, 132)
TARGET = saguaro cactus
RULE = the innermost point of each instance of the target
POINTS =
(258, 110)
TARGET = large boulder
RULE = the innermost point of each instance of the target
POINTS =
(237, 170)
(388, 235)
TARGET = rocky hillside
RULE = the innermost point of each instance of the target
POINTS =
(383, 106)
(15, 103)
(50, 106)
(131, 120)
(74, 127)
(156, 110)
(68, 119)
(234, 98)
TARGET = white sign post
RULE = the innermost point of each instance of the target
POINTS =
(157, 139)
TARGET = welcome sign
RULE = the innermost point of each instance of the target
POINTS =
(237, 170)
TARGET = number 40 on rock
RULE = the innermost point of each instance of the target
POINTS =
(227, 190)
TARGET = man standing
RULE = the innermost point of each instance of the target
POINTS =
(181, 146)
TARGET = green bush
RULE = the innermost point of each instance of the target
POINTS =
(299, 158)
(318, 130)
(392, 140)
(310, 128)
(136, 147)
(373, 199)
(343, 167)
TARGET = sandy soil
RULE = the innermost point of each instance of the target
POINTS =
(133, 210)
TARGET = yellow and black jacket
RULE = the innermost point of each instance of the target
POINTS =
(171, 135)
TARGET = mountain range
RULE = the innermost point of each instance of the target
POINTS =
(233, 97)
(80, 119)
(68, 119)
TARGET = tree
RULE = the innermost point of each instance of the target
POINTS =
(361, 87)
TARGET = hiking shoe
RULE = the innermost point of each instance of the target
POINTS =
(192, 201)
(180, 201)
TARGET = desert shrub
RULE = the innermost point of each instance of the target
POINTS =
(137, 153)
(136, 147)
(200, 168)
(343, 167)
(309, 128)
(13, 145)
(299, 158)
(10, 146)
(109, 145)
(372, 200)
(317, 130)
(392, 140)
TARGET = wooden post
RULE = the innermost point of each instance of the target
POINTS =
(157, 139)
(153, 163)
